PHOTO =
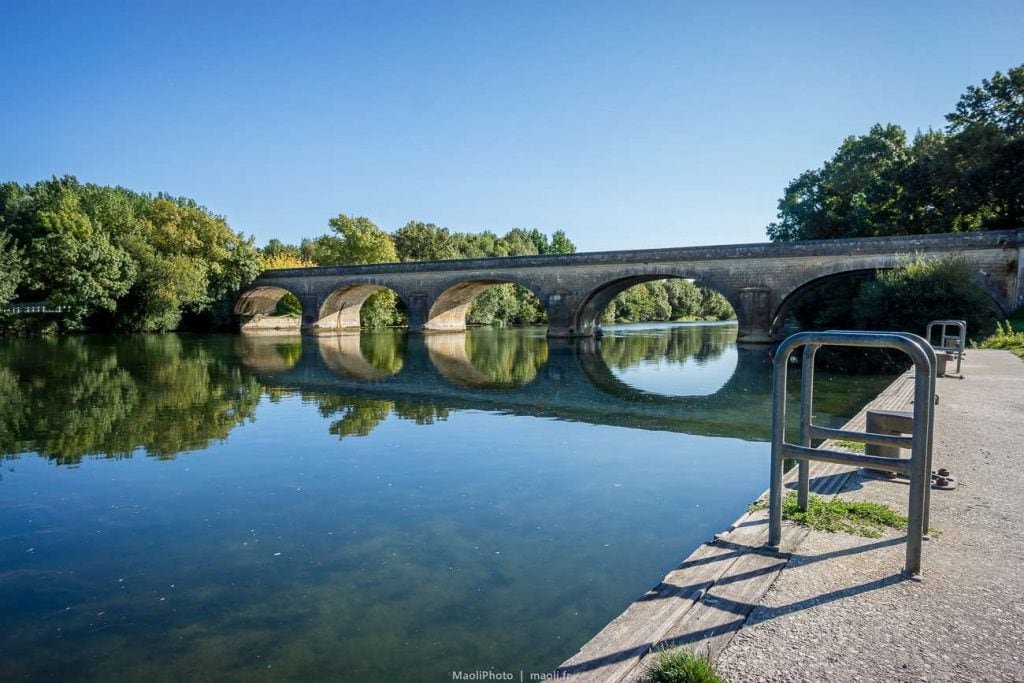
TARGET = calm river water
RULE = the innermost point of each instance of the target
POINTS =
(372, 508)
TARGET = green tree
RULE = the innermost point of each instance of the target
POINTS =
(360, 242)
(997, 102)
(919, 290)
(970, 177)
(518, 242)
(684, 298)
(855, 194)
(69, 262)
(560, 244)
(714, 306)
(121, 259)
(418, 241)
(10, 268)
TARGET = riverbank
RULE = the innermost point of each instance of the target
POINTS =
(841, 611)
(835, 606)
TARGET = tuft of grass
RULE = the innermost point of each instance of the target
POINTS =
(852, 446)
(860, 517)
(1005, 337)
(682, 666)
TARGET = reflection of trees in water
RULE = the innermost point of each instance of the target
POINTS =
(506, 359)
(699, 342)
(384, 349)
(69, 398)
(360, 416)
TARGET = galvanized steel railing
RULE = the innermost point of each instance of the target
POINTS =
(917, 467)
(949, 343)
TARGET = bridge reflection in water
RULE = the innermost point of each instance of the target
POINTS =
(521, 372)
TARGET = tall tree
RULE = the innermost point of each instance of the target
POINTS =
(360, 241)
(418, 241)
(855, 194)
(970, 177)
(560, 244)
(10, 268)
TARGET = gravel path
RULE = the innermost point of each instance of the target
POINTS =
(841, 611)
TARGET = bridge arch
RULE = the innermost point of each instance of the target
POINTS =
(450, 308)
(781, 312)
(587, 316)
(788, 299)
(257, 307)
(342, 308)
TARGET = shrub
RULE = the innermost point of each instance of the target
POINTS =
(681, 666)
(919, 290)
(1005, 337)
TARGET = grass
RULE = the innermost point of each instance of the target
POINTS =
(859, 517)
(681, 666)
(1006, 337)
(852, 446)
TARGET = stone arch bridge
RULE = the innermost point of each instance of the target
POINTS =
(761, 281)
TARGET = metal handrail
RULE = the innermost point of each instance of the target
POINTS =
(34, 307)
(917, 467)
(957, 348)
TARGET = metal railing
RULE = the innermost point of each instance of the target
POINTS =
(917, 467)
(34, 307)
(953, 344)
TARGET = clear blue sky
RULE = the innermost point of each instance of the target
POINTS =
(629, 124)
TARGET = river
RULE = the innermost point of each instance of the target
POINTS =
(372, 507)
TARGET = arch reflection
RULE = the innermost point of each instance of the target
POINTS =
(522, 373)
(269, 352)
(373, 356)
(488, 357)
(680, 360)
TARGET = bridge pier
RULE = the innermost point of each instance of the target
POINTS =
(561, 309)
(418, 311)
(310, 310)
(754, 308)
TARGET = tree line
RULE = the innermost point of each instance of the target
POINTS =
(116, 260)
(357, 240)
(968, 176)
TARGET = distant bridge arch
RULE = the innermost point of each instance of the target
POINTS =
(588, 314)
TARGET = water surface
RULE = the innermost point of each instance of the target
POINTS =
(376, 507)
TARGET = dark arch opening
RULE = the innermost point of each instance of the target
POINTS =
(829, 302)
(269, 308)
(361, 305)
(824, 303)
(652, 298)
(485, 302)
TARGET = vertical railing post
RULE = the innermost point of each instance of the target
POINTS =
(779, 373)
(806, 415)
